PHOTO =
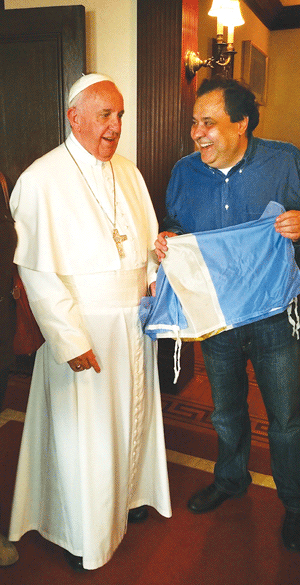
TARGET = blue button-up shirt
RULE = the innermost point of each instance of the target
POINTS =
(201, 198)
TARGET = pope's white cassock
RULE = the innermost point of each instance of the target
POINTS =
(93, 444)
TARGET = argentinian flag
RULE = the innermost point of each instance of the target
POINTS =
(216, 280)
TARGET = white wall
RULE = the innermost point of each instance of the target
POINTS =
(282, 120)
(111, 31)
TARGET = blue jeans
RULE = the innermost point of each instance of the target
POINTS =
(274, 354)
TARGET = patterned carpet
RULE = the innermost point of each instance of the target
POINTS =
(238, 544)
(188, 426)
(195, 415)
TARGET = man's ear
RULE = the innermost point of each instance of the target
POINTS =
(73, 118)
(243, 125)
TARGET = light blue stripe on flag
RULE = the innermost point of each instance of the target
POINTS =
(217, 280)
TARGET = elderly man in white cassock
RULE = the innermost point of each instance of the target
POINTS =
(93, 454)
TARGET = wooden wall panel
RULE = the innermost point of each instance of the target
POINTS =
(189, 41)
(165, 98)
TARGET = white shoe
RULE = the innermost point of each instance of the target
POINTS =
(8, 552)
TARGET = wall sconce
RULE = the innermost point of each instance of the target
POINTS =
(228, 14)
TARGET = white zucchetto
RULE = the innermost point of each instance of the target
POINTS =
(85, 81)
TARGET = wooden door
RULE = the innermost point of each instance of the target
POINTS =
(42, 53)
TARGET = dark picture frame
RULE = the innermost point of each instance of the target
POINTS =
(255, 70)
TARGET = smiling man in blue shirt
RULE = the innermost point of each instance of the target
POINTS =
(230, 180)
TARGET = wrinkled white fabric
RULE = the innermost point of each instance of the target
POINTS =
(93, 444)
(58, 211)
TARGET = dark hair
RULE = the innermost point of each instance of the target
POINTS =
(239, 100)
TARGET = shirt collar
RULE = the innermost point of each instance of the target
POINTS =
(249, 154)
(79, 152)
(251, 149)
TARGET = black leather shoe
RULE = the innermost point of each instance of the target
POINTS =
(291, 531)
(138, 514)
(209, 499)
(74, 562)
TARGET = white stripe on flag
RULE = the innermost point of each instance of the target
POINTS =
(190, 279)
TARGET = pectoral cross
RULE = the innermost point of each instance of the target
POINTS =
(119, 239)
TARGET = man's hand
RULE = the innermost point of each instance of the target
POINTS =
(161, 244)
(288, 225)
(153, 288)
(84, 362)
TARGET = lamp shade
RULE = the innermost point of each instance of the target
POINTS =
(216, 7)
(228, 12)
